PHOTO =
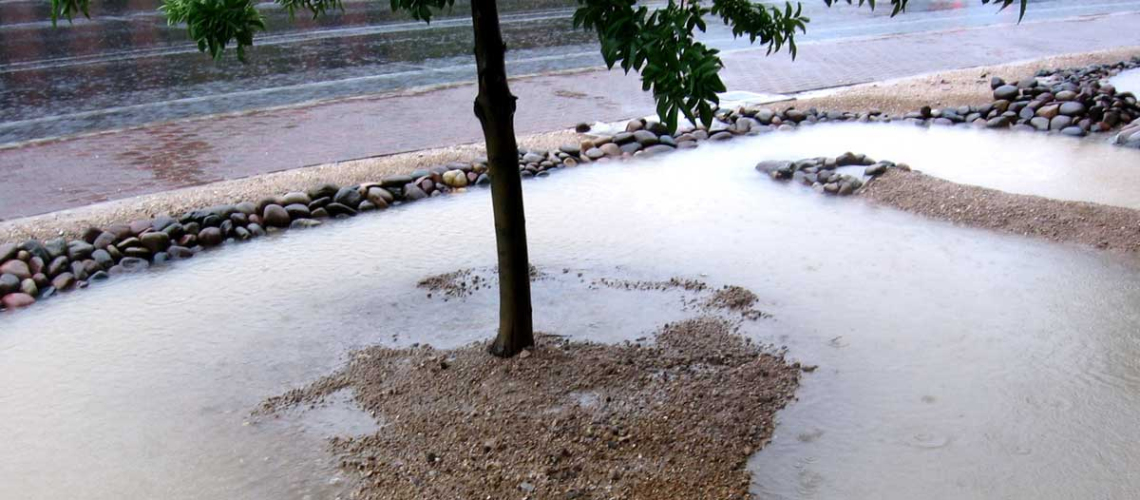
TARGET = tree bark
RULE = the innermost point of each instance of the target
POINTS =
(495, 107)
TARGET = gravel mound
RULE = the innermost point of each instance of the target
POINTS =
(1101, 226)
(674, 418)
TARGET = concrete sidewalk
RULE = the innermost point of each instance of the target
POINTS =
(44, 177)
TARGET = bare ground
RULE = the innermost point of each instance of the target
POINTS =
(1100, 226)
(674, 419)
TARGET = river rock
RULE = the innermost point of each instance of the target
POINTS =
(140, 252)
(296, 198)
(1074, 131)
(378, 193)
(1072, 108)
(155, 242)
(1065, 95)
(298, 211)
(79, 250)
(630, 147)
(138, 226)
(998, 122)
(57, 265)
(79, 270)
(1040, 123)
(17, 268)
(656, 149)
(212, 236)
(29, 287)
(376, 196)
(1060, 122)
(246, 207)
(777, 169)
(103, 258)
(161, 222)
(8, 251)
(1006, 92)
(55, 247)
(36, 265)
(17, 300)
(455, 178)
(275, 216)
(875, 170)
(334, 209)
(9, 283)
(570, 149)
(304, 223)
(348, 196)
(645, 138)
(594, 153)
(396, 181)
(611, 149)
(412, 192)
(483, 180)
(133, 264)
(323, 191)
(63, 282)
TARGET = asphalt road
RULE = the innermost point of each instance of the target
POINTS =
(125, 67)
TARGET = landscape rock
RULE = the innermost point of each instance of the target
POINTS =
(304, 223)
(9, 283)
(210, 236)
(17, 300)
(1006, 92)
(155, 242)
(17, 268)
(274, 216)
(347, 196)
(29, 287)
(63, 282)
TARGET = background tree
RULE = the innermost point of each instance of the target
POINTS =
(659, 43)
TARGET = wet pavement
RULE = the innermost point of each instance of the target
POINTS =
(114, 107)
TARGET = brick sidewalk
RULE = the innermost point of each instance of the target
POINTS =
(51, 176)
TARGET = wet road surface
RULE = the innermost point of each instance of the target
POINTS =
(126, 67)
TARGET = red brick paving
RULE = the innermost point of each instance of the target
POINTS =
(62, 174)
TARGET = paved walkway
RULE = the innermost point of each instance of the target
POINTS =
(45, 177)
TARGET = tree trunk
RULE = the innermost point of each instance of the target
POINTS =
(495, 107)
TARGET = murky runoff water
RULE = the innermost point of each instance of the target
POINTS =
(1127, 81)
(954, 363)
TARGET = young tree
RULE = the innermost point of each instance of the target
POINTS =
(659, 43)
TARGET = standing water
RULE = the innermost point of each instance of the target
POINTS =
(1127, 81)
(954, 363)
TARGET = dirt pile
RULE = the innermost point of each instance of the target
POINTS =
(674, 418)
(1101, 226)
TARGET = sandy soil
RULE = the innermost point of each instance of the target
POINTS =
(947, 88)
(675, 418)
(74, 222)
(1100, 226)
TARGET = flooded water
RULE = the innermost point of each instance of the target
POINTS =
(1127, 81)
(954, 363)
